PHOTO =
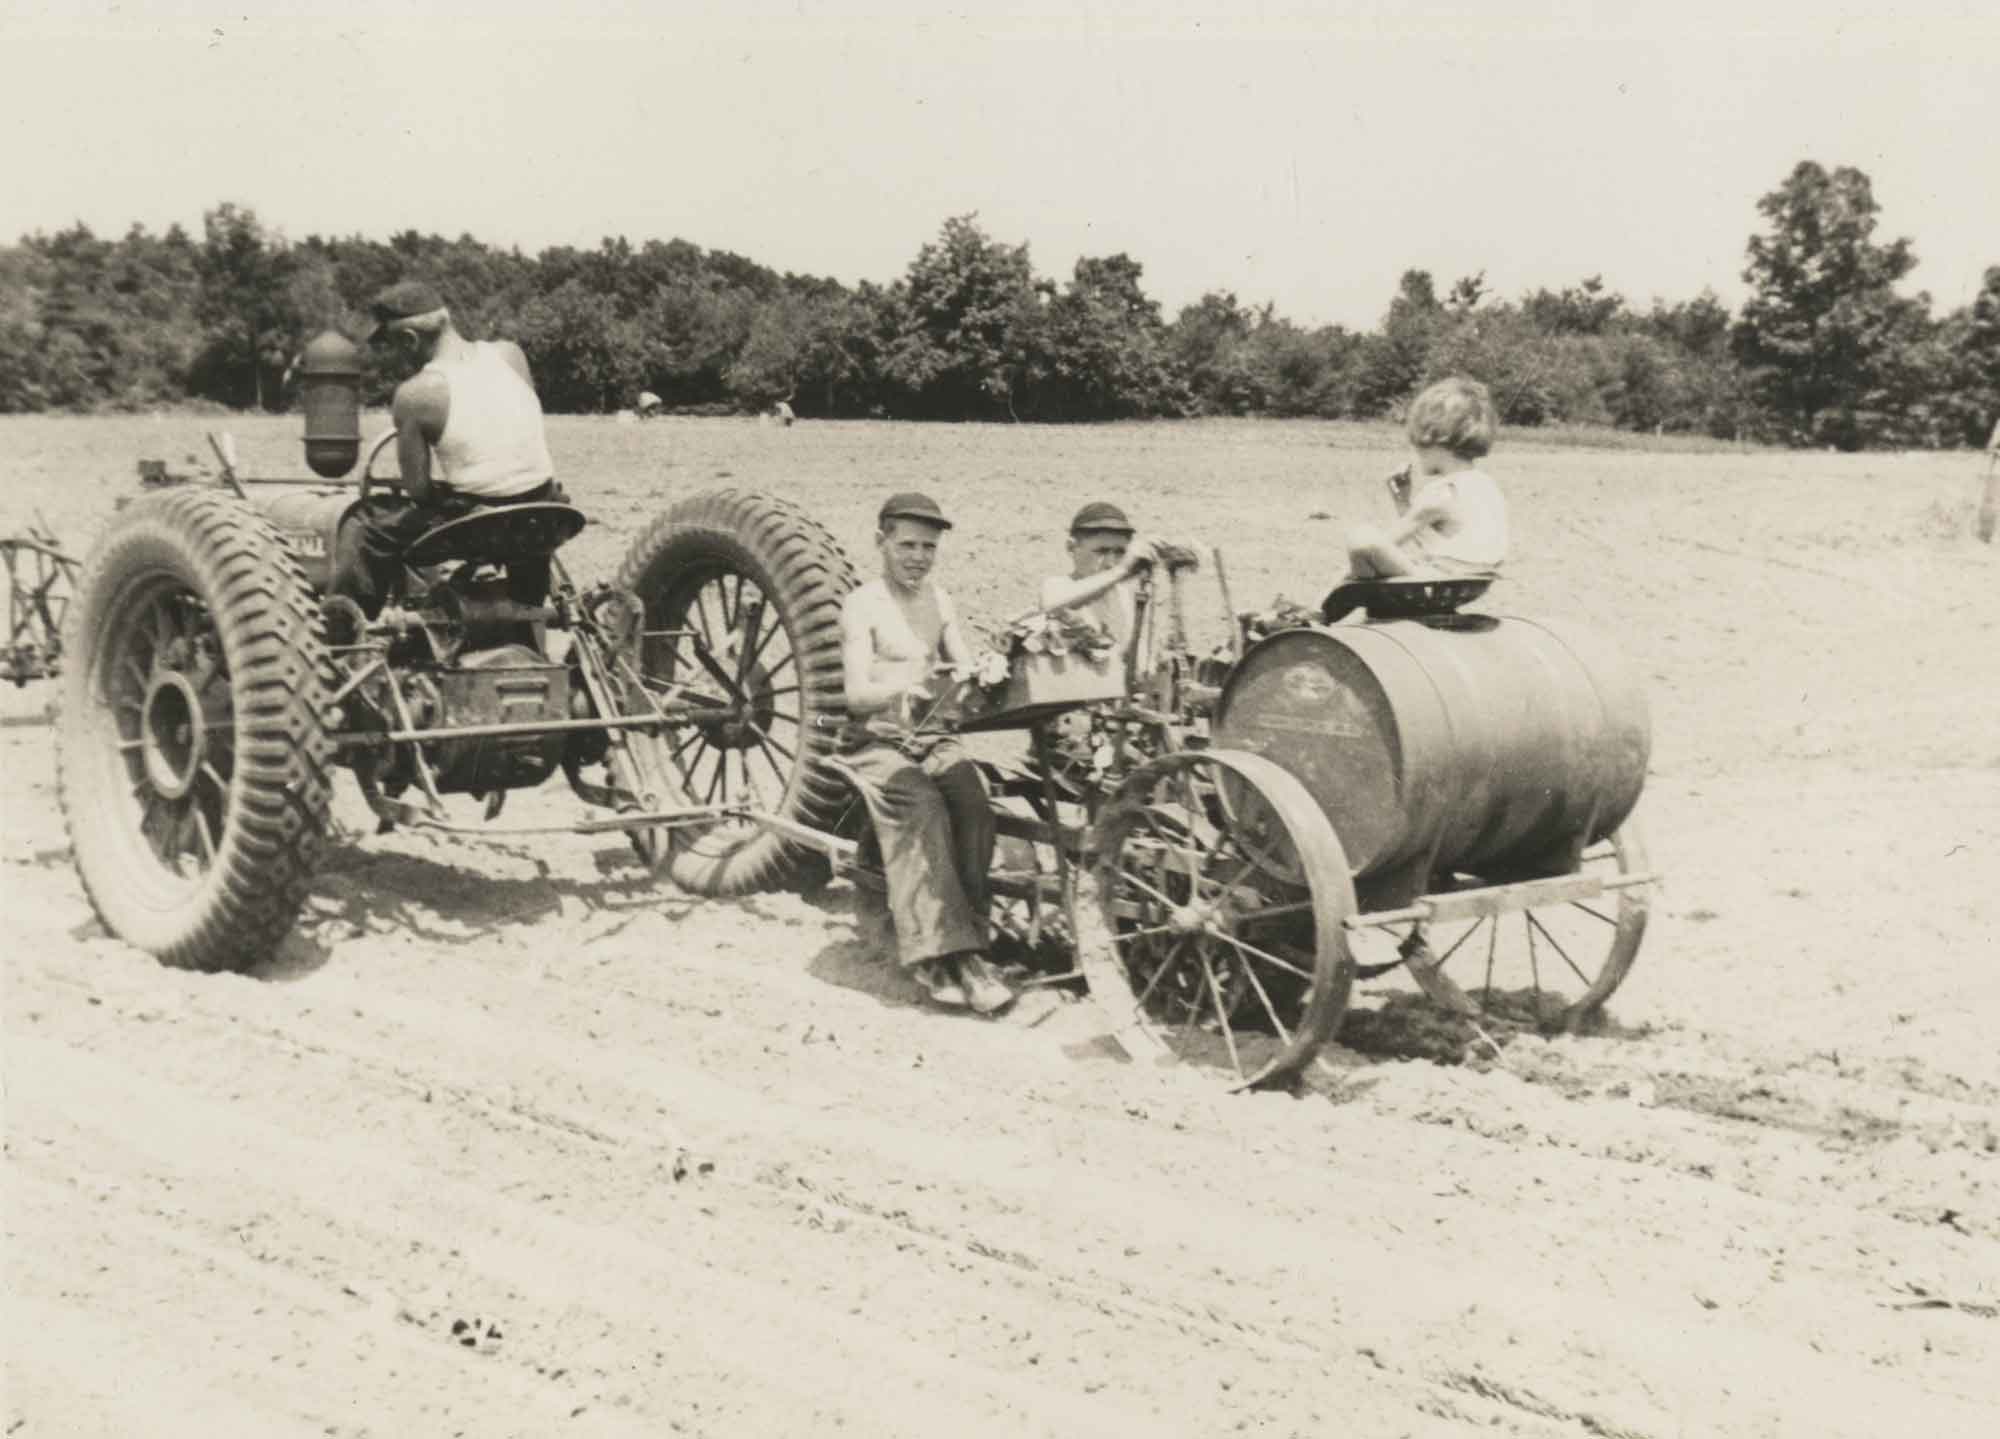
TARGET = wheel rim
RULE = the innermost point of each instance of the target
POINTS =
(746, 750)
(169, 727)
(1232, 963)
(1548, 969)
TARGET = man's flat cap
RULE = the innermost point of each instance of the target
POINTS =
(1100, 515)
(911, 505)
(401, 301)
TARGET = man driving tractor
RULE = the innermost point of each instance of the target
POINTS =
(899, 638)
(471, 411)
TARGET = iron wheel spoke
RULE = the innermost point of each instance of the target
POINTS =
(747, 661)
(770, 757)
(1134, 879)
(1275, 911)
(1250, 973)
(1463, 937)
(1581, 977)
(1167, 962)
(1215, 995)
(1534, 961)
(1250, 950)
(206, 836)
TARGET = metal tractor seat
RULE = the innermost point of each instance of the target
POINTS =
(1403, 597)
(498, 533)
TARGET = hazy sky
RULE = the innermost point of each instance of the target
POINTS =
(1305, 154)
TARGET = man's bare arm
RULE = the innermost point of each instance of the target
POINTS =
(1061, 592)
(421, 406)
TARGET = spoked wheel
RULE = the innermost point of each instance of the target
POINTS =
(1548, 969)
(742, 596)
(1214, 930)
(39, 580)
(192, 751)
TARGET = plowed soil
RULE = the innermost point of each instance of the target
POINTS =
(508, 1141)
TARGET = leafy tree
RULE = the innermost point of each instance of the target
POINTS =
(243, 306)
(583, 357)
(1393, 361)
(1466, 292)
(1581, 309)
(1824, 326)
(1099, 349)
(1974, 341)
(965, 305)
(1210, 344)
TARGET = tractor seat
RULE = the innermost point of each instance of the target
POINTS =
(498, 533)
(1403, 597)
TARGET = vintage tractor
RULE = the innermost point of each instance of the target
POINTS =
(205, 704)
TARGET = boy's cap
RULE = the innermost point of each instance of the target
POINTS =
(911, 505)
(1101, 515)
(400, 301)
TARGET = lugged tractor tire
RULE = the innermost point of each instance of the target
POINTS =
(192, 756)
(703, 549)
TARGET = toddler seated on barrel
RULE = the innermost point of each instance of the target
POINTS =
(1451, 519)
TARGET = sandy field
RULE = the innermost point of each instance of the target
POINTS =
(506, 1141)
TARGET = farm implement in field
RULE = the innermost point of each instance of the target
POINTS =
(40, 578)
(1214, 846)
(1427, 789)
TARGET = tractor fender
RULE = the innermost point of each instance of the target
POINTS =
(307, 522)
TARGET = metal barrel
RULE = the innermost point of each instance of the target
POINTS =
(1492, 746)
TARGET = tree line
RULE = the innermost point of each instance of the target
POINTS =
(1825, 351)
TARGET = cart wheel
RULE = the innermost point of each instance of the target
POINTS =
(1548, 969)
(1216, 909)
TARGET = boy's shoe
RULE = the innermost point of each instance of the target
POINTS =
(985, 991)
(940, 982)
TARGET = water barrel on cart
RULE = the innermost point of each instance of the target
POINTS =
(1496, 745)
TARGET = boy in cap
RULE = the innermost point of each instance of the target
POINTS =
(470, 411)
(899, 637)
(1105, 553)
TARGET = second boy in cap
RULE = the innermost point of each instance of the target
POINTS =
(1105, 553)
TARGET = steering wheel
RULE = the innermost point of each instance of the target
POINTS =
(382, 442)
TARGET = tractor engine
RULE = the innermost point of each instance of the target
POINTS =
(467, 658)
(507, 684)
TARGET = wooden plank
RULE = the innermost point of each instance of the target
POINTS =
(1508, 898)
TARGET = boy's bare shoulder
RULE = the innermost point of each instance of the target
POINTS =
(865, 599)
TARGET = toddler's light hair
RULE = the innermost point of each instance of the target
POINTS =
(1455, 414)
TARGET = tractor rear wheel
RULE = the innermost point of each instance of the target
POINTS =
(192, 755)
(742, 596)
